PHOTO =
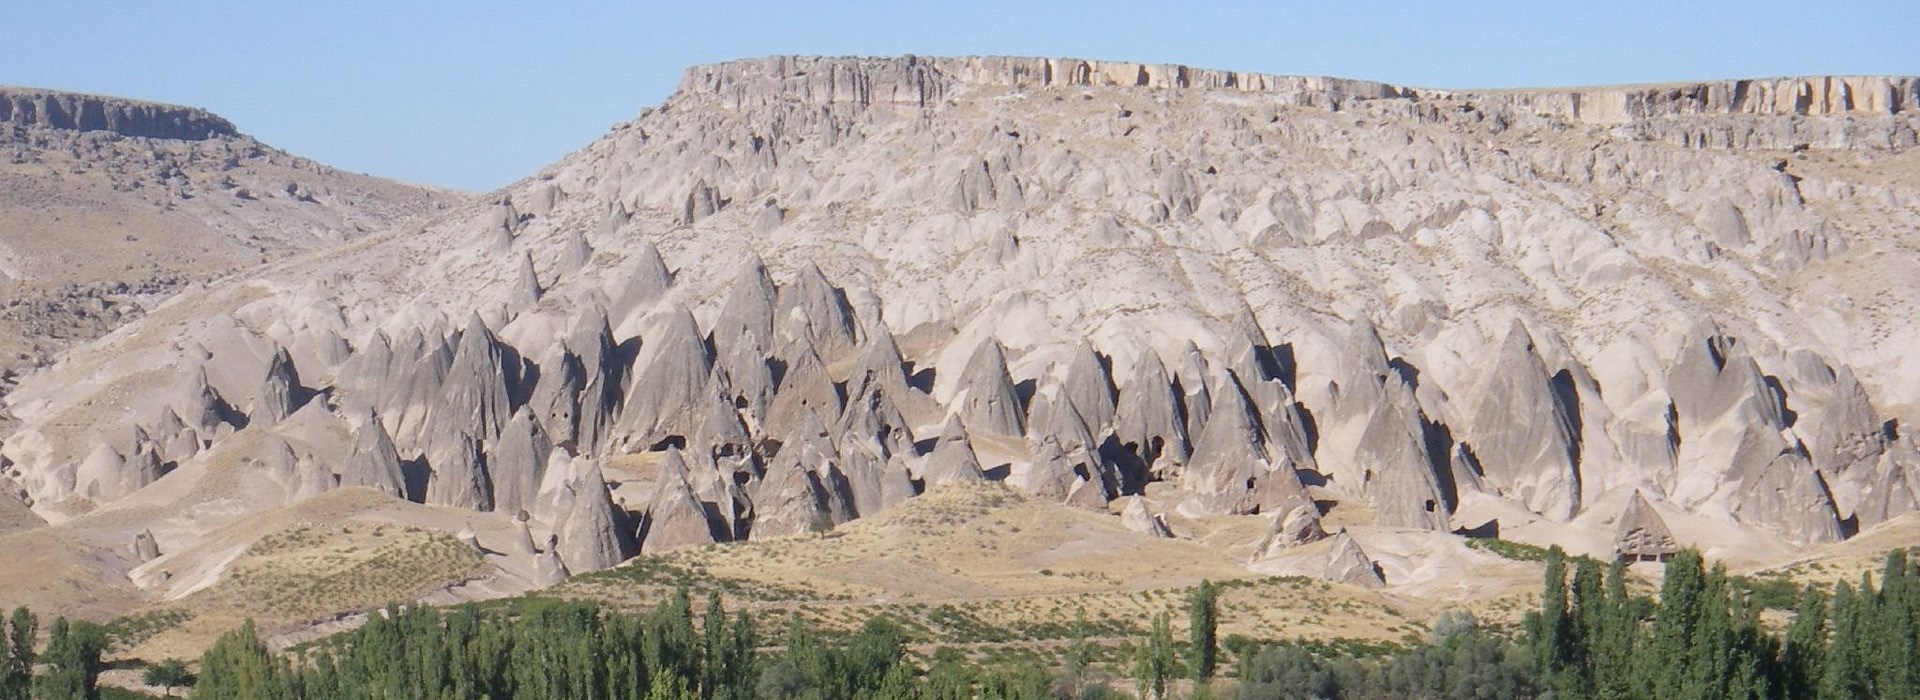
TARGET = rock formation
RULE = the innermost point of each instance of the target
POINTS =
(1341, 296)
(1641, 534)
(1137, 518)
(1348, 563)
(989, 402)
(373, 462)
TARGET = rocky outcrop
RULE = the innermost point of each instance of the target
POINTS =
(952, 458)
(1137, 518)
(145, 549)
(588, 528)
(1291, 529)
(460, 478)
(1147, 421)
(987, 401)
(77, 112)
(1349, 564)
(813, 311)
(1232, 471)
(1641, 534)
(675, 517)
(925, 82)
(1523, 431)
(372, 461)
(669, 378)
(517, 463)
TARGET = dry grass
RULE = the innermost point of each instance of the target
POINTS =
(307, 572)
(983, 567)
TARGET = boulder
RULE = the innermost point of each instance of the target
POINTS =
(1137, 518)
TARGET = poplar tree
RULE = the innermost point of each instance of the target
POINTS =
(1202, 628)
(16, 669)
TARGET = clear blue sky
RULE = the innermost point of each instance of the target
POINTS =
(477, 94)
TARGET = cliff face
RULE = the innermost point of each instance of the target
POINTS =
(1664, 112)
(926, 82)
(78, 112)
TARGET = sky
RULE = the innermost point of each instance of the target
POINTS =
(476, 94)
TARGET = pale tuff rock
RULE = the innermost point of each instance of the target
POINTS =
(806, 393)
(471, 539)
(1289, 529)
(1190, 377)
(575, 253)
(373, 462)
(589, 531)
(1448, 216)
(474, 395)
(145, 549)
(555, 401)
(78, 112)
(1348, 563)
(523, 533)
(1250, 354)
(742, 376)
(311, 477)
(1088, 388)
(871, 416)
(860, 465)
(880, 366)
(1067, 459)
(1789, 497)
(952, 458)
(721, 433)
(417, 388)
(598, 399)
(1232, 471)
(1050, 476)
(1523, 431)
(105, 475)
(675, 517)
(987, 399)
(279, 462)
(549, 569)
(701, 202)
(363, 375)
(1397, 471)
(1374, 439)
(517, 462)
(788, 499)
(810, 309)
(1852, 432)
(642, 281)
(1148, 418)
(183, 446)
(460, 478)
(671, 374)
(748, 309)
(177, 443)
(1642, 534)
(1888, 488)
(815, 451)
(201, 407)
(526, 286)
(1137, 518)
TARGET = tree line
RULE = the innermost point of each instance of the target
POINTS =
(1590, 638)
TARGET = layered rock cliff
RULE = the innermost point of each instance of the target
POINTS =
(78, 112)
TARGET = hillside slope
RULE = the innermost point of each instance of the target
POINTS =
(805, 290)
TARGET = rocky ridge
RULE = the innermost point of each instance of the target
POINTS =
(77, 112)
(109, 205)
